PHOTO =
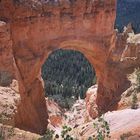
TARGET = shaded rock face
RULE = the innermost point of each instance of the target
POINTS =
(33, 29)
(6, 55)
(55, 113)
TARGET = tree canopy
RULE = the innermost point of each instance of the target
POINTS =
(68, 73)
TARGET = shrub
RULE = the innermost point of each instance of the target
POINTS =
(134, 101)
(48, 135)
(102, 129)
(65, 133)
(138, 79)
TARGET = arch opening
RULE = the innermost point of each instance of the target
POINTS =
(67, 74)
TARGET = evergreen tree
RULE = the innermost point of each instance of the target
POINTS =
(67, 73)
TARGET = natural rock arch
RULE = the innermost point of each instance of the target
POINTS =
(32, 30)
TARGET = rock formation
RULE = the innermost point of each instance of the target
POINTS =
(91, 106)
(122, 123)
(30, 30)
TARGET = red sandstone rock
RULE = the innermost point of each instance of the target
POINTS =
(55, 113)
(91, 106)
(33, 29)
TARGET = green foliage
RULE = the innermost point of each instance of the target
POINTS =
(138, 79)
(67, 73)
(135, 81)
(48, 135)
(65, 133)
(134, 104)
(102, 129)
(66, 103)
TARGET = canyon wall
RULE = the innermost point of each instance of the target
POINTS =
(31, 30)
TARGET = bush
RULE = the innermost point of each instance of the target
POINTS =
(135, 81)
(65, 133)
(138, 80)
(48, 135)
(102, 129)
(134, 101)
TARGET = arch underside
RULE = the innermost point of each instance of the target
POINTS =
(112, 82)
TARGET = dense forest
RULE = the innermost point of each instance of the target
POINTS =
(68, 73)
(128, 11)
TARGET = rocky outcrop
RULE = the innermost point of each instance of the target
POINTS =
(56, 113)
(122, 123)
(10, 133)
(126, 101)
(91, 106)
(36, 28)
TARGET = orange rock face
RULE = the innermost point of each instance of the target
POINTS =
(55, 113)
(33, 29)
(91, 105)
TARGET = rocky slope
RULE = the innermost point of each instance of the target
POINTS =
(121, 122)
(79, 117)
